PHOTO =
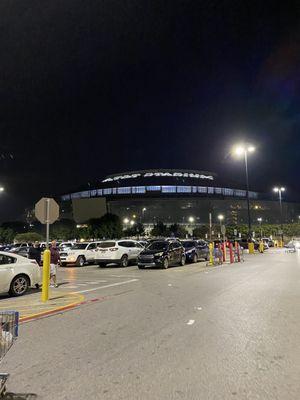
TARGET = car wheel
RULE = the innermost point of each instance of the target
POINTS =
(141, 267)
(182, 261)
(124, 261)
(195, 258)
(80, 261)
(63, 264)
(165, 263)
(102, 265)
(19, 285)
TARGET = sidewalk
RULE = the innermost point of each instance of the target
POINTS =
(30, 305)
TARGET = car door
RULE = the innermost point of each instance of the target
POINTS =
(172, 253)
(178, 251)
(5, 272)
(90, 251)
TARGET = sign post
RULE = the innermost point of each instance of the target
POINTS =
(47, 212)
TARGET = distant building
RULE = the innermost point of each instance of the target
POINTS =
(173, 196)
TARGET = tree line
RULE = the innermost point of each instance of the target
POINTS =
(109, 226)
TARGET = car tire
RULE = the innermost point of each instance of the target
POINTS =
(165, 263)
(102, 265)
(19, 285)
(63, 264)
(195, 258)
(182, 261)
(124, 261)
(80, 261)
(141, 267)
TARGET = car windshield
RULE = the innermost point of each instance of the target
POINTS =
(106, 245)
(160, 246)
(188, 245)
(79, 246)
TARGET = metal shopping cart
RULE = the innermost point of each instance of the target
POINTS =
(9, 324)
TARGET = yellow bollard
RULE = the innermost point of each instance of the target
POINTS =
(211, 256)
(251, 248)
(46, 275)
(261, 246)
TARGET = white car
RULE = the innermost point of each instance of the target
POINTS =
(17, 274)
(79, 254)
(120, 252)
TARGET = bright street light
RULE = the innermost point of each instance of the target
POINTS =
(277, 189)
(126, 220)
(1, 189)
(191, 219)
(220, 217)
(240, 149)
(132, 222)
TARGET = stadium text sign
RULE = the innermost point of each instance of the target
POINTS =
(159, 174)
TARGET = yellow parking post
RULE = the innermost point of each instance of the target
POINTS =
(261, 246)
(211, 256)
(251, 248)
(46, 275)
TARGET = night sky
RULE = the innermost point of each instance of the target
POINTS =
(90, 88)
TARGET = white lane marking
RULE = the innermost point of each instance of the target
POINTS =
(191, 322)
(71, 287)
(82, 284)
(199, 308)
(95, 282)
(169, 284)
(107, 286)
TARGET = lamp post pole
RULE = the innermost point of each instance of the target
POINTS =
(247, 194)
(279, 190)
(243, 150)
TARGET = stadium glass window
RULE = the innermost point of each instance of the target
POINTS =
(184, 189)
(124, 190)
(240, 193)
(114, 190)
(210, 190)
(153, 188)
(93, 193)
(194, 189)
(202, 189)
(138, 189)
(107, 191)
(218, 190)
(228, 192)
(99, 192)
(66, 197)
(168, 189)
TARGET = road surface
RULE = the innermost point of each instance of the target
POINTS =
(222, 333)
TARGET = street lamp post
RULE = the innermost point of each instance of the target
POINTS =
(221, 218)
(239, 151)
(279, 190)
(260, 221)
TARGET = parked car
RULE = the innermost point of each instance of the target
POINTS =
(162, 253)
(269, 241)
(17, 274)
(195, 250)
(19, 246)
(120, 252)
(293, 244)
(79, 254)
(244, 243)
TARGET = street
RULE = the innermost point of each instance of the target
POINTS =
(192, 332)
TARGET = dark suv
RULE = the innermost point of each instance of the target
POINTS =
(162, 253)
(195, 250)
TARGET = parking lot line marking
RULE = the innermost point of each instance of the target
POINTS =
(107, 286)
(191, 322)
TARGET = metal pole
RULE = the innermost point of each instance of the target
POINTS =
(248, 201)
(281, 216)
(210, 226)
(47, 221)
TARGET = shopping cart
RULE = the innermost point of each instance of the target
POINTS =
(9, 324)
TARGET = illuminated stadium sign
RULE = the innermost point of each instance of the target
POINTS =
(159, 174)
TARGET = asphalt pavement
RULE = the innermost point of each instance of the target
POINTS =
(229, 332)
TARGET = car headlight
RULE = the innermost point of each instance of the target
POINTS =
(159, 254)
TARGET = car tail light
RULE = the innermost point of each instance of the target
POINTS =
(114, 249)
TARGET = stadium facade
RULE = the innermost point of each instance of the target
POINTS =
(173, 196)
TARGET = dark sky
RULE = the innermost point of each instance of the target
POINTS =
(90, 88)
